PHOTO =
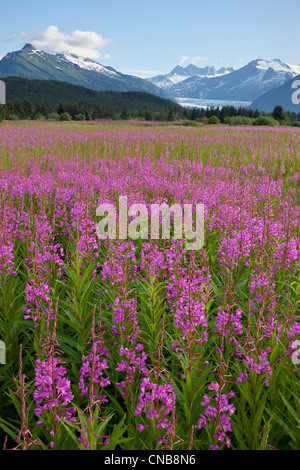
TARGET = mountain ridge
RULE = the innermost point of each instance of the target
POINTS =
(244, 84)
(179, 74)
(32, 63)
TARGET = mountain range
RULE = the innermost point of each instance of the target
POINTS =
(245, 84)
(258, 78)
(179, 74)
(33, 63)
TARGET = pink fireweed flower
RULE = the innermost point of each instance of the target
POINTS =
(92, 370)
(156, 401)
(52, 390)
(6, 257)
(219, 414)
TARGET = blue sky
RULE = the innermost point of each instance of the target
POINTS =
(146, 38)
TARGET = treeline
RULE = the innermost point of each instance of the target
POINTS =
(22, 109)
(244, 116)
(52, 99)
(53, 92)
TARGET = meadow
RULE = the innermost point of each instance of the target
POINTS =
(142, 344)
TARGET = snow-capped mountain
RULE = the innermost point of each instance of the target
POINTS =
(33, 63)
(244, 84)
(179, 74)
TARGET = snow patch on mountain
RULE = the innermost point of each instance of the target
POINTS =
(180, 74)
(278, 66)
(180, 78)
(85, 63)
(245, 84)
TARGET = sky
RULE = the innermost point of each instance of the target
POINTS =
(147, 38)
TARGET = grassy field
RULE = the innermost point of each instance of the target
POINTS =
(143, 344)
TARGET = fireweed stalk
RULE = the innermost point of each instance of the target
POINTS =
(45, 257)
(188, 291)
(92, 383)
(6, 251)
(157, 401)
(217, 409)
(131, 359)
(25, 437)
(216, 416)
(52, 393)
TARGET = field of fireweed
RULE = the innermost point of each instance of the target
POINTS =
(142, 344)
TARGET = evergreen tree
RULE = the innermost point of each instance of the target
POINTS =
(210, 111)
(18, 109)
(185, 113)
(72, 109)
(171, 115)
(41, 109)
(159, 116)
(144, 112)
(125, 114)
(278, 113)
(149, 116)
(60, 108)
(193, 115)
(97, 112)
(109, 114)
(113, 115)
(222, 114)
(9, 109)
(2, 113)
(27, 108)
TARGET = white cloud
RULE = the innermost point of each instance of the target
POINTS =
(183, 59)
(241, 60)
(82, 43)
(106, 56)
(194, 60)
(18, 36)
(21, 35)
